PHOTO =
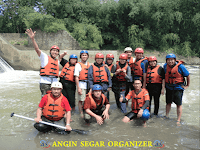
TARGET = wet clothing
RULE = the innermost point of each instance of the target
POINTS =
(46, 128)
(139, 100)
(43, 103)
(174, 96)
(174, 92)
(95, 105)
(120, 82)
(69, 86)
(155, 76)
(182, 71)
(104, 74)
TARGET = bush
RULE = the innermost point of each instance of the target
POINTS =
(88, 36)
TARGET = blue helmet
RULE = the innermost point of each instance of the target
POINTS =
(171, 56)
(73, 56)
(145, 115)
(97, 87)
(84, 51)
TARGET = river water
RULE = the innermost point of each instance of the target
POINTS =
(19, 93)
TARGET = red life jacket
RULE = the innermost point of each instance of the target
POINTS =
(121, 76)
(130, 61)
(138, 100)
(84, 71)
(136, 67)
(94, 105)
(153, 76)
(99, 74)
(172, 76)
(51, 69)
(68, 72)
(53, 109)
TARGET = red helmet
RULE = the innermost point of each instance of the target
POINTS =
(123, 56)
(55, 47)
(152, 58)
(110, 56)
(139, 50)
(99, 55)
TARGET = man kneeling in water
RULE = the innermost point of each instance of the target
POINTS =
(93, 105)
(54, 108)
(140, 101)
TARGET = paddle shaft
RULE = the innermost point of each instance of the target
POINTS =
(43, 122)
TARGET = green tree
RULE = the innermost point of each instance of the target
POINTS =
(87, 35)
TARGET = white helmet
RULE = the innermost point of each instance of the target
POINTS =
(128, 49)
(56, 85)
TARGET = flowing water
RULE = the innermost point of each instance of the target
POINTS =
(19, 93)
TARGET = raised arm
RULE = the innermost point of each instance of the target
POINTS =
(31, 34)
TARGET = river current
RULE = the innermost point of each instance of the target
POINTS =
(19, 93)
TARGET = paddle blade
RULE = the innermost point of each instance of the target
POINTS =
(80, 131)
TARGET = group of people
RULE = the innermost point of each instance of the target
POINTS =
(138, 79)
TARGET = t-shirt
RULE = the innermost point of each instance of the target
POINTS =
(44, 61)
(87, 103)
(64, 102)
(77, 70)
(183, 71)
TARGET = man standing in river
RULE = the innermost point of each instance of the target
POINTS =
(175, 72)
(49, 70)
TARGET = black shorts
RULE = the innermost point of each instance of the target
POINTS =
(174, 96)
(131, 115)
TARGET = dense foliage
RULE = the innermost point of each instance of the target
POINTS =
(165, 25)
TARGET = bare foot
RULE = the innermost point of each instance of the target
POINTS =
(178, 123)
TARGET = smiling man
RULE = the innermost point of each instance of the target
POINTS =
(175, 73)
(55, 108)
(49, 70)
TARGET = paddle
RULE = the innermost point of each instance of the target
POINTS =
(51, 124)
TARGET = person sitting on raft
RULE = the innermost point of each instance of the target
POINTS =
(93, 106)
(55, 108)
(140, 101)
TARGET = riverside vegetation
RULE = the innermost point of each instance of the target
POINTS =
(167, 26)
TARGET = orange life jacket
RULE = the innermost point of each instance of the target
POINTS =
(121, 76)
(53, 109)
(153, 76)
(172, 76)
(130, 61)
(138, 100)
(94, 105)
(84, 71)
(136, 67)
(51, 69)
(99, 74)
(68, 72)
